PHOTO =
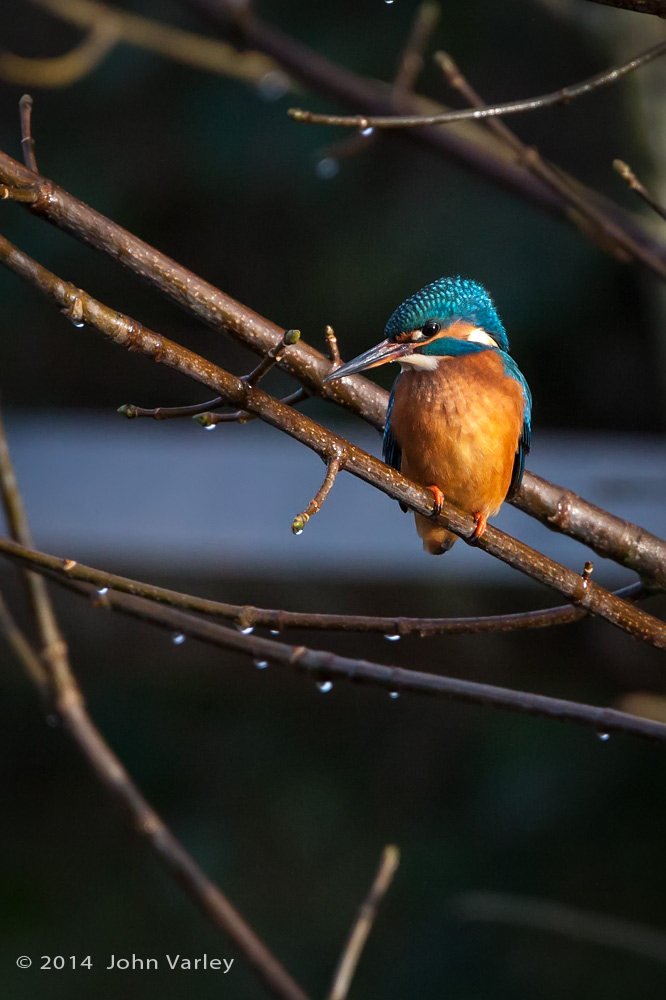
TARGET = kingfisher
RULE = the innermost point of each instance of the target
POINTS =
(459, 414)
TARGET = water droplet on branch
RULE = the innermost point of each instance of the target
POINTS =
(325, 686)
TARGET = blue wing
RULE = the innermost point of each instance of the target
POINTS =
(526, 436)
(391, 452)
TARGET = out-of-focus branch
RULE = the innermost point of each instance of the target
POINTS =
(657, 7)
(562, 96)
(106, 26)
(464, 143)
(130, 334)
(64, 70)
(66, 701)
(325, 667)
(246, 616)
(586, 522)
(27, 141)
(557, 918)
(355, 944)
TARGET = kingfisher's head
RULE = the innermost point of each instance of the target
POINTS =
(448, 318)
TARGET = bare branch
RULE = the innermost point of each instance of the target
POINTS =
(627, 174)
(132, 335)
(325, 667)
(562, 96)
(558, 918)
(334, 465)
(247, 616)
(353, 949)
(586, 522)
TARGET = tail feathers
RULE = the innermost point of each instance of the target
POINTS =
(436, 540)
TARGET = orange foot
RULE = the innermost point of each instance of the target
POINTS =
(481, 525)
(439, 500)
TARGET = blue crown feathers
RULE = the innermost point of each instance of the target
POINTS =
(446, 301)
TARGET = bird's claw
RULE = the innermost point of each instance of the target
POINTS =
(481, 524)
(439, 500)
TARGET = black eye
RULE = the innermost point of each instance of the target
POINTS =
(431, 329)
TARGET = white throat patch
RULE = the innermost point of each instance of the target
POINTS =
(425, 362)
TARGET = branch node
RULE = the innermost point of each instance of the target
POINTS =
(333, 349)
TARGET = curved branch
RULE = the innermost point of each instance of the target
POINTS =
(132, 335)
(64, 70)
(249, 617)
(357, 394)
(562, 96)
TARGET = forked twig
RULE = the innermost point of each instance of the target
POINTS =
(355, 944)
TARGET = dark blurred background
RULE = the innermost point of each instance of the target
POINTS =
(284, 795)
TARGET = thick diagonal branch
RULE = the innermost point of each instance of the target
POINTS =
(132, 335)
(357, 394)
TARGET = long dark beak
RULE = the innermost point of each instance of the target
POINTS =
(388, 350)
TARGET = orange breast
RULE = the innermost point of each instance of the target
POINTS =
(458, 428)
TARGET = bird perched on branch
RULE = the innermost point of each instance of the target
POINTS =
(458, 419)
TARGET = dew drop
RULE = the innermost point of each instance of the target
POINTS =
(393, 637)
(327, 168)
(261, 664)
(248, 630)
(273, 85)
(178, 639)
(394, 695)
(299, 532)
(275, 631)
(367, 131)
(210, 427)
(388, 3)
(325, 686)
(603, 736)
(78, 323)
(102, 591)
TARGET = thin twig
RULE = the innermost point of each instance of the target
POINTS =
(132, 335)
(411, 60)
(558, 918)
(131, 411)
(608, 535)
(333, 467)
(325, 667)
(627, 174)
(27, 142)
(562, 96)
(272, 357)
(355, 944)
(332, 344)
(249, 617)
